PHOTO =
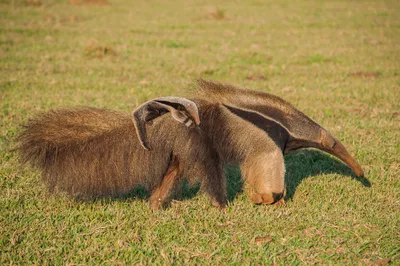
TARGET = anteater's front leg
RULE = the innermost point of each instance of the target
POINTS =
(264, 173)
(162, 194)
(214, 184)
(210, 168)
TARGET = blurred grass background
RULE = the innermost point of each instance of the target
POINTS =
(338, 61)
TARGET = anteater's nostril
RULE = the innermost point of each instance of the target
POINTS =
(277, 196)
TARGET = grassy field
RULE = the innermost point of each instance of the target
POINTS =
(338, 61)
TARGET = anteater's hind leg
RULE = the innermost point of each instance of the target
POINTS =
(162, 194)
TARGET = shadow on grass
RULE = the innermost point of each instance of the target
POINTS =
(306, 163)
(234, 187)
(299, 166)
(139, 193)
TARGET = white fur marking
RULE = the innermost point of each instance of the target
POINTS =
(189, 123)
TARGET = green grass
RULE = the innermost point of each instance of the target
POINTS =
(319, 55)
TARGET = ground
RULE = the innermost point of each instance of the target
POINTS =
(337, 61)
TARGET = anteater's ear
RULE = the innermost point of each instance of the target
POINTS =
(181, 109)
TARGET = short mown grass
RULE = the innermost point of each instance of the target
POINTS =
(338, 61)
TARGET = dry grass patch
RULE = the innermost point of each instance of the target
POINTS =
(90, 2)
(216, 13)
(33, 2)
(256, 77)
(364, 75)
(95, 49)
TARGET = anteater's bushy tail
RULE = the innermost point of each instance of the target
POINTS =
(85, 152)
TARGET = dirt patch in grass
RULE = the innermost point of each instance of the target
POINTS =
(216, 13)
(263, 240)
(88, 2)
(33, 2)
(396, 115)
(384, 261)
(256, 77)
(339, 250)
(94, 49)
(364, 75)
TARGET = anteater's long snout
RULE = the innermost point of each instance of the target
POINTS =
(336, 148)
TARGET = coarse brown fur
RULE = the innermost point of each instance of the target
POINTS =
(240, 142)
(91, 152)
